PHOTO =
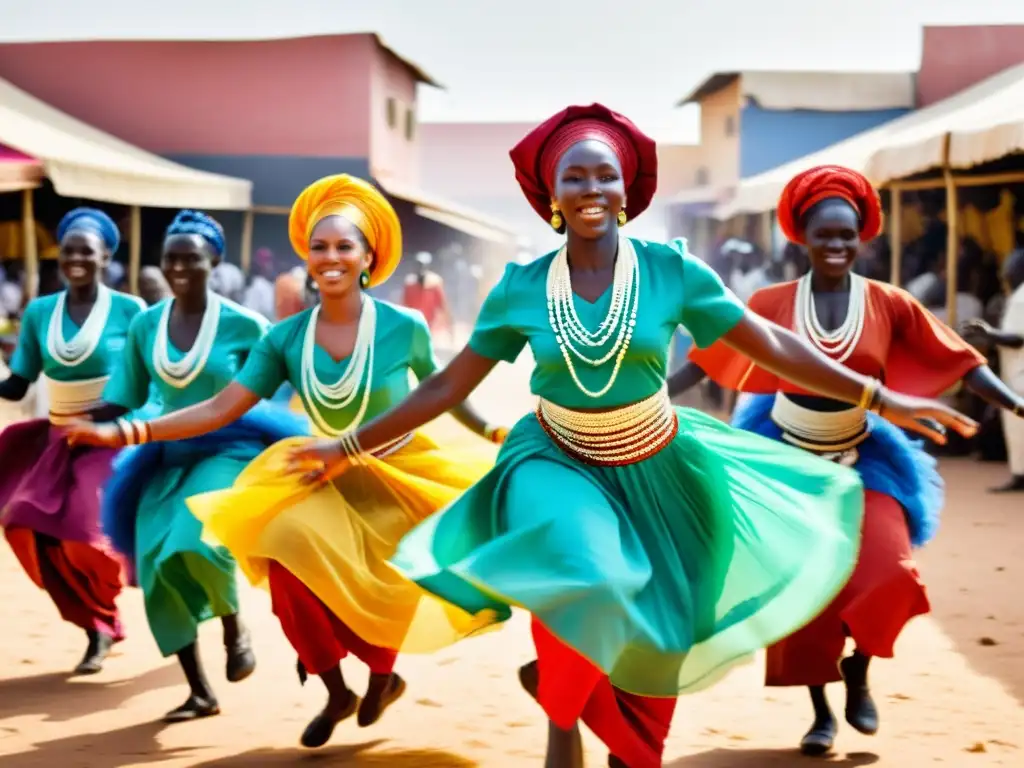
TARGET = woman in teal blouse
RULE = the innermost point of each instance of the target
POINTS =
(323, 552)
(655, 547)
(48, 492)
(189, 347)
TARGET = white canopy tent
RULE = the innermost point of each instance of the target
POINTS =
(84, 162)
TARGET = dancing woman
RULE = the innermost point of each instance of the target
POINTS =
(655, 547)
(875, 330)
(48, 491)
(190, 347)
(323, 551)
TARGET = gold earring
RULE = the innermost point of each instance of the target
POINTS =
(556, 217)
(622, 217)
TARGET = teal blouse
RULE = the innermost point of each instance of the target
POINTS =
(31, 357)
(237, 332)
(401, 344)
(676, 289)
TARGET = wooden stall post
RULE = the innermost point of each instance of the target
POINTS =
(135, 249)
(896, 233)
(247, 226)
(952, 249)
(29, 245)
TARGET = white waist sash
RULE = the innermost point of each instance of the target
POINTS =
(70, 400)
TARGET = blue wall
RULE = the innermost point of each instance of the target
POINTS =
(769, 138)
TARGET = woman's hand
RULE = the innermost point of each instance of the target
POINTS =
(318, 461)
(926, 417)
(495, 435)
(103, 435)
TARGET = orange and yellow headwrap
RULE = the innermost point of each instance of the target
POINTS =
(359, 202)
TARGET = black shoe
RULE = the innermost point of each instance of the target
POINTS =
(861, 711)
(100, 644)
(241, 660)
(195, 708)
(321, 727)
(820, 739)
(373, 707)
(1015, 485)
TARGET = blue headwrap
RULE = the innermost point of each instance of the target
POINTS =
(90, 220)
(197, 223)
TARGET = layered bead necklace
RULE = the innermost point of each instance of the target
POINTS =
(619, 323)
(357, 376)
(840, 343)
(183, 372)
(76, 350)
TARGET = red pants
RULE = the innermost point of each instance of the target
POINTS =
(82, 580)
(884, 593)
(634, 728)
(319, 637)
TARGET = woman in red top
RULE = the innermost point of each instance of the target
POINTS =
(880, 331)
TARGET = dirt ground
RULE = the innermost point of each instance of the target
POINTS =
(953, 697)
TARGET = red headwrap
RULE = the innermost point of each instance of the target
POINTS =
(807, 189)
(536, 156)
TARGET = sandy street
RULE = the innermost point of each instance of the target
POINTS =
(953, 697)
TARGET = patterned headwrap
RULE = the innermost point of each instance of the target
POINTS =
(90, 220)
(807, 189)
(536, 157)
(360, 203)
(198, 223)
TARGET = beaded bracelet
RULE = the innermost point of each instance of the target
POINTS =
(134, 431)
(349, 442)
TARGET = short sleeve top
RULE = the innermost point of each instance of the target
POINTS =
(676, 289)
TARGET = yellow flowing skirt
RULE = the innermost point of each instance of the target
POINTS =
(337, 539)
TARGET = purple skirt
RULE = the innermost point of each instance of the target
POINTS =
(49, 487)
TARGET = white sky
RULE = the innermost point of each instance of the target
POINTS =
(521, 60)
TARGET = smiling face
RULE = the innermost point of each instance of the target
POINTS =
(338, 253)
(187, 262)
(589, 188)
(832, 233)
(83, 257)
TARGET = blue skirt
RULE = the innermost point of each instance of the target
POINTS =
(890, 463)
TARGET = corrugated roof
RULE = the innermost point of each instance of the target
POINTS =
(825, 91)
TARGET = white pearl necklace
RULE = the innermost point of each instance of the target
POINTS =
(84, 342)
(619, 322)
(358, 374)
(183, 372)
(840, 343)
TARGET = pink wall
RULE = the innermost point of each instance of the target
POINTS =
(394, 152)
(305, 97)
(954, 58)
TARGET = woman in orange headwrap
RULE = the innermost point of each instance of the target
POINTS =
(322, 550)
(876, 330)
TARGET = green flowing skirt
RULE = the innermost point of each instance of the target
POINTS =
(665, 573)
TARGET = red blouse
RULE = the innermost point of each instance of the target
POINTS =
(903, 344)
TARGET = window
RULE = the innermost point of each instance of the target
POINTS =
(392, 111)
(410, 124)
(702, 177)
(730, 125)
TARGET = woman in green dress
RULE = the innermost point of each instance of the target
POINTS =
(655, 547)
(189, 347)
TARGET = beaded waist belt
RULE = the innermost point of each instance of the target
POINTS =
(833, 435)
(612, 438)
(70, 400)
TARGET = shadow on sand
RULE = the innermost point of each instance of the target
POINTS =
(60, 697)
(362, 755)
(769, 758)
(134, 745)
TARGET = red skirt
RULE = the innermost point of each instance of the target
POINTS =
(884, 593)
(320, 638)
(634, 728)
(82, 580)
